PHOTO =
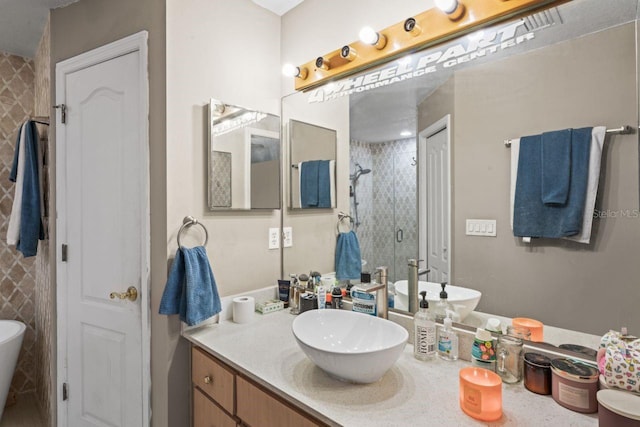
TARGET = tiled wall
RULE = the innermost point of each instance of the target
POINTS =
(17, 274)
(387, 203)
(45, 293)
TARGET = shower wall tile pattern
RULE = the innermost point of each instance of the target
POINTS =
(17, 274)
(387, 203)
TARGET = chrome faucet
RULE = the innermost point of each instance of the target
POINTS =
(412, 282)
(381, 290)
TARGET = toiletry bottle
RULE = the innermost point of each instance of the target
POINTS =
(424, 339)
(483, 351)
(322, 297)
(448, 341)
(442, 306)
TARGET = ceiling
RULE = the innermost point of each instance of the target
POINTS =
(22, 22)
(279, 7)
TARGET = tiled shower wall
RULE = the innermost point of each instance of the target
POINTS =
(17, 274)
(387, 202)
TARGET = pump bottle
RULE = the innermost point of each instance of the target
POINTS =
(424, 340)
(448, 341)
(442, 306)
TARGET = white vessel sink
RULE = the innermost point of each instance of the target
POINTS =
(349, 346)
(463, 300)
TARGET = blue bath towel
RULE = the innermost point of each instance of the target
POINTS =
(348, 258)
(531, 217)
(309, 184)
(315, 184)
(556, 166)
(31, 229)
(191, 289)
(324, 184)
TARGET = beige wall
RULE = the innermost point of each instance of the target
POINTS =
(89, 24)
(588, 288)
(208, 56)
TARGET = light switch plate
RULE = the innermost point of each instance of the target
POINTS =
(481, 227)
(287, 237)
(274, 238)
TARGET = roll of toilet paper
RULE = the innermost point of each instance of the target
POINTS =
(243, 309)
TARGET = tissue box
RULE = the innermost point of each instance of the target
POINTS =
(269, 306)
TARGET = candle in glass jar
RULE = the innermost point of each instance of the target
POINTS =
(480, 393)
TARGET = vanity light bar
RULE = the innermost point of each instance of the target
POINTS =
(418, 32)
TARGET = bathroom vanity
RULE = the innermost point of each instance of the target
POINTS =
(255, 373)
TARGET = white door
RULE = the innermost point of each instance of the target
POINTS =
(434, 200)
(103, 220)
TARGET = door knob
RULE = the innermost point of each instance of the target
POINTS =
(131, 294)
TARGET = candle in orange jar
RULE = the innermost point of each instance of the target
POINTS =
(535, 326)
(480, 393)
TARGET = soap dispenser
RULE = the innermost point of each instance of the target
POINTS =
(442, 306)
(424, 339)
(448, 341)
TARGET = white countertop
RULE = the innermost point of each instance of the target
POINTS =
(412, 393)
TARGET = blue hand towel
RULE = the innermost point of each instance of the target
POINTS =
(31, 229)
(531, 217)
(309, 184)
(348, 258)
(324, 184)
(556, 166)
(191, 289)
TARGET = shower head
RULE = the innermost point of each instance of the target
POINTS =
(359, 171)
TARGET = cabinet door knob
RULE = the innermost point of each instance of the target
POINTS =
(208, 380)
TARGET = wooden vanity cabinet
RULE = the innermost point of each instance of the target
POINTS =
(223, 397)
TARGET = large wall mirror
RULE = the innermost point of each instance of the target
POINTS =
(427, 153)
(244, 158)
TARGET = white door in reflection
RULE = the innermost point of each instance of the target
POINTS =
(434, 192)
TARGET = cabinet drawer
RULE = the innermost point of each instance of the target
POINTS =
(213, 379)
(258, 409)
(207, 414)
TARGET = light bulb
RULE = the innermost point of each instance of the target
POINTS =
(405, 133)
(447, 6)
(368, 35)
(290, 70)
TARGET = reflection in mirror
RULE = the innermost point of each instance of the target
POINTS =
(571, 66)
(244, 158)
(312, 151)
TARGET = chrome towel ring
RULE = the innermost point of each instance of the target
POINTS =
(342, 216)
(187, 222)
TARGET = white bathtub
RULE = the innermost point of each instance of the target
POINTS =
(11, 334)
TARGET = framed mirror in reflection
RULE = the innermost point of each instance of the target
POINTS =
(572, 66)
(312, 152)
(244, 158)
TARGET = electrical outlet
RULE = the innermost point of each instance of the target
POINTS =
(274, 238)
(287, 237)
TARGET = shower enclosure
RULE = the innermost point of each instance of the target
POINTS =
(384, 203)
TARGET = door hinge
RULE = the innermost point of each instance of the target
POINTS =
(64, 252)
(63, 111)
(65, 391)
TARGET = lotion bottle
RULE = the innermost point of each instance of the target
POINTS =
(448, 341)
(424, 339)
